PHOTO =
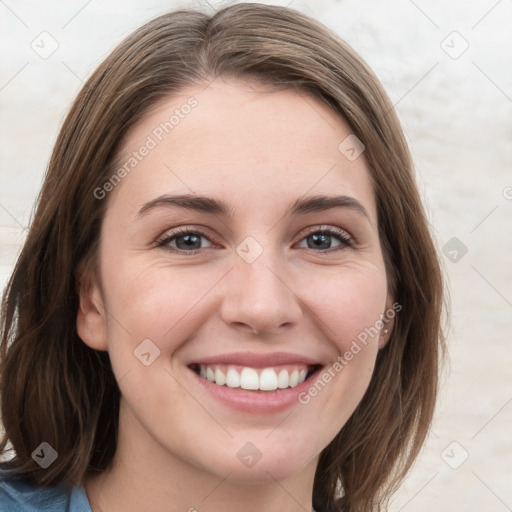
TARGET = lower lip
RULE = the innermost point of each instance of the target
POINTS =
(257, 402)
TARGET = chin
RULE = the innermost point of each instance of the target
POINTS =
(263, 461)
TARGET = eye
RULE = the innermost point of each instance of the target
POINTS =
(184, 240)
(323, 238)
(188, 241)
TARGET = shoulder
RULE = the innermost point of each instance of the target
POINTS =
(17, 494)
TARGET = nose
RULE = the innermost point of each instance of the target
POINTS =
(259, 297)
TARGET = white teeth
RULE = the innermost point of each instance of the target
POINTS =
(233, 378)
(268, 380)
(283, 379)
(248, 378)
(220, 378)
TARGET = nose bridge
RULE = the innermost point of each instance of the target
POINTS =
(258, 294)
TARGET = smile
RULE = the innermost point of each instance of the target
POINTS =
(256, 379)
(254, 383)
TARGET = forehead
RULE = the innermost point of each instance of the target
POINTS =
(244, 143)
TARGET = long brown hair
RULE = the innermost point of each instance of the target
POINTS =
(57, 389)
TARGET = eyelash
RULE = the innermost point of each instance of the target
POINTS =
(343, 236)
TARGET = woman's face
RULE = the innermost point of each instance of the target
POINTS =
(253, 293)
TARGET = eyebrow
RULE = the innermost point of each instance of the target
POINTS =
(214, 206)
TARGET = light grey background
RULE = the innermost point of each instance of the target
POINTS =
(456, 108)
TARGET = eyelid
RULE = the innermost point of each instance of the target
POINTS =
(165, 238)
(342, 233)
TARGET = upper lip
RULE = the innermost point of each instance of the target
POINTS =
(255, 360)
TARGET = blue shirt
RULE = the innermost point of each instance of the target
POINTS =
(18, 495)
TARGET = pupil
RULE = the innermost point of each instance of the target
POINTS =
(188, 241)
(319, 239)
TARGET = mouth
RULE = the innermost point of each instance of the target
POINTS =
(254, 383)
(268, 379)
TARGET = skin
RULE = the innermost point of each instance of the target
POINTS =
(259, 150)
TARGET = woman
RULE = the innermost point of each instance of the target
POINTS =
(229, 297)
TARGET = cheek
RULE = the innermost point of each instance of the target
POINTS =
(348, 309)
(152, 310)
(156, 302)
(348, 304)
